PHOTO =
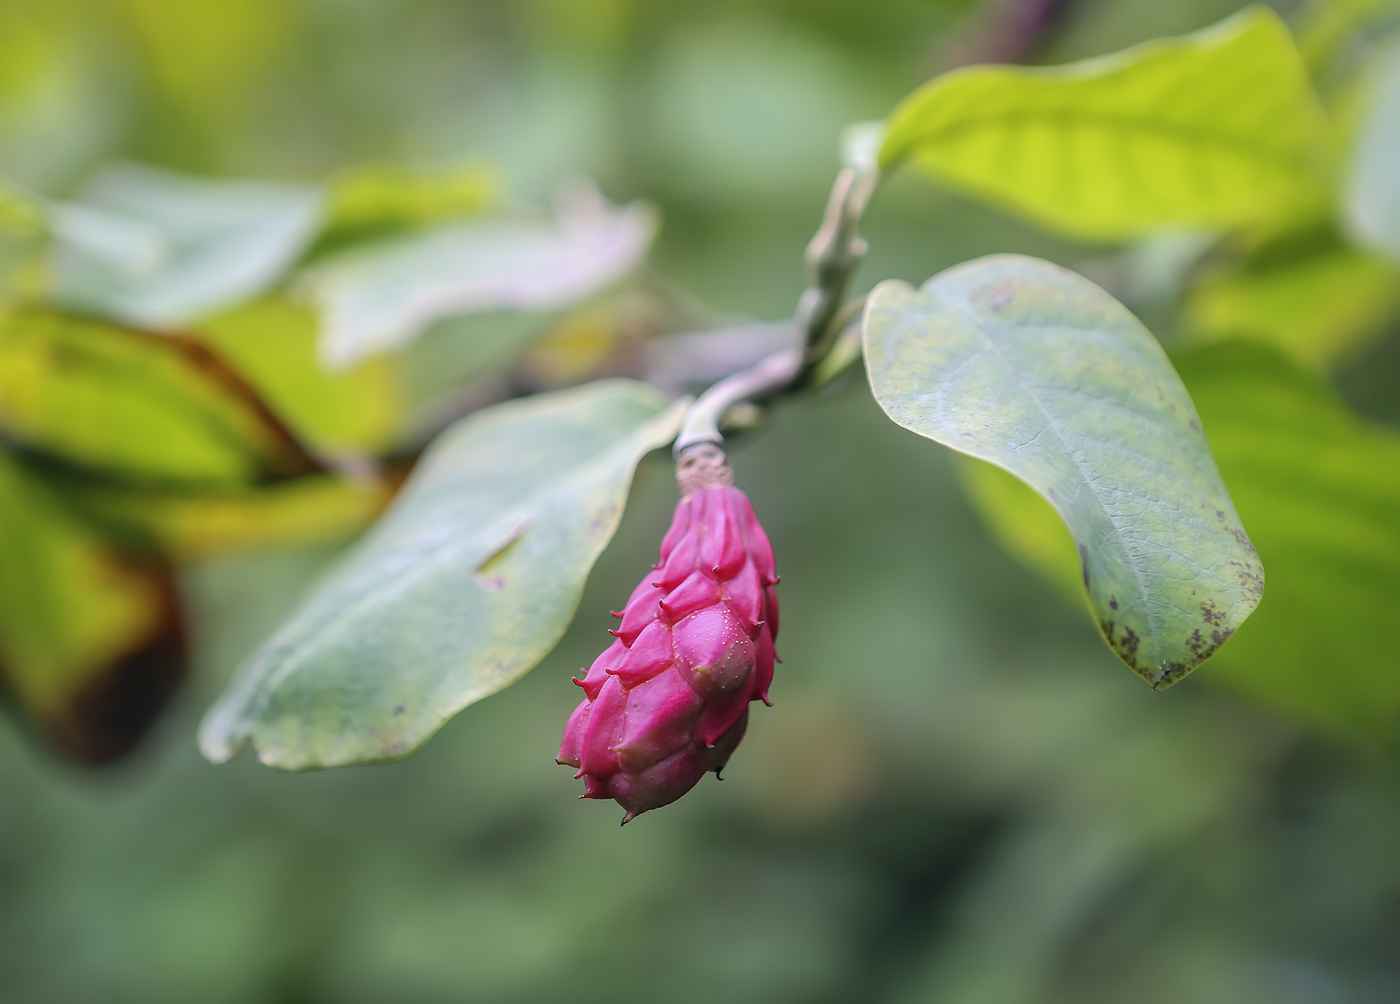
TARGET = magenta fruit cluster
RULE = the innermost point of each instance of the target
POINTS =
(668, 700)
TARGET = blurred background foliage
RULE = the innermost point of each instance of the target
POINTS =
(959, 796)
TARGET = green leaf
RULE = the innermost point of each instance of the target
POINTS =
(1320, 490)
(1306, 291)
(1035, 369)
(467, 582)
(90, 640)
(380, 298)
(1373, 191)
(220, 242)
(136, 405)
(1215, 129)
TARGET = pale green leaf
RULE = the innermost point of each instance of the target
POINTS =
(1028, 366)
(1210, 130)
(380, 298)
(467, 582)
(222, 242)
(122, 244)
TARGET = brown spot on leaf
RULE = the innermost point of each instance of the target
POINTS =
(1212, 614)
(1113, 603)
(1084, 564)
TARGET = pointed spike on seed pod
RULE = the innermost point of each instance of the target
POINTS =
(629, 817)
(616, 613)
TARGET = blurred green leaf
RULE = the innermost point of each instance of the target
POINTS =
(1373, 192)
(1307, 292)
(136, 405)
(1209, 130)
(224, 241)
(272, 343)
(90, 638)
(382, 297)
(468, 581)
(1321, 491)
(1028, 366)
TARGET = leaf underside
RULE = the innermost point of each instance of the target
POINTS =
(1030, 367)
(467, 583)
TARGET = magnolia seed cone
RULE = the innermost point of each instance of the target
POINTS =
(668, 700)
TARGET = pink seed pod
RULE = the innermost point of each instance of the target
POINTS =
(668, 700)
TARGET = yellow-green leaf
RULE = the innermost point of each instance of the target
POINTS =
(1215, 129)
(136, 405)
(371, 197)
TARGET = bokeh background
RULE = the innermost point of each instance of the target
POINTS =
(959, 797)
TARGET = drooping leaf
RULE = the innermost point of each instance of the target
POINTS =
(382, 297)
(221, 242)
(1209, 130)
(1306, 291)
(467, 582)
(1320, 490)
(1028, 366)
(91, 645)
(136, 405)
(1373, 190)
(272, 343)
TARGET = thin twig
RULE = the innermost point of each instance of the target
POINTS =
(832, 256)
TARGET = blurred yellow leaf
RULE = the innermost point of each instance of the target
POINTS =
(136, 405)
(272, 343)
(90, 639)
